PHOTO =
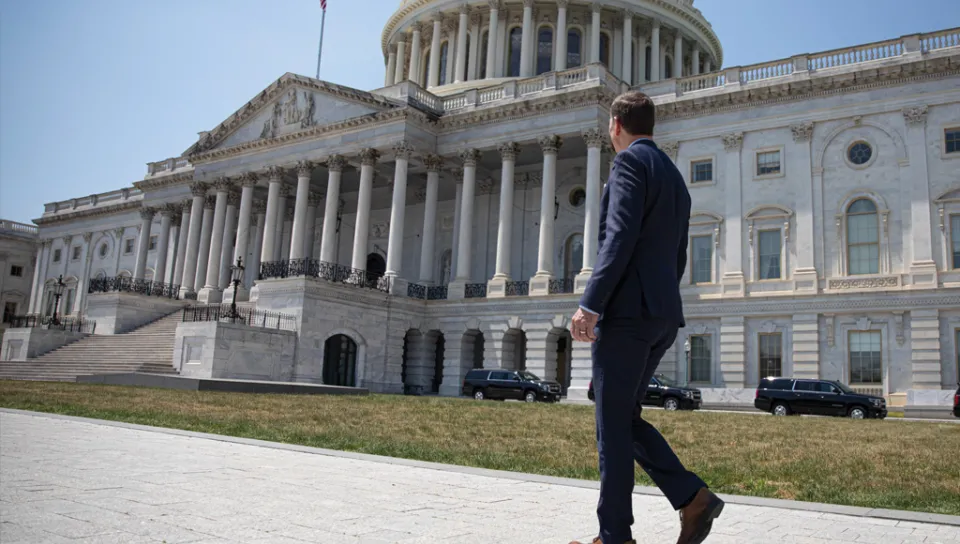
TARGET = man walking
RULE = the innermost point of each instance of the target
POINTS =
(631, 311)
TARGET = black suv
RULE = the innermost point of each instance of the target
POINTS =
(785, 396)
(662, 391)
(503, 384)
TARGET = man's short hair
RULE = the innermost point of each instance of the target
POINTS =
(636, 112)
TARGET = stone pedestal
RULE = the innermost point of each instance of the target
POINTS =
(924, 274)
(210, 295)
(580, 282)
(243, 295)
(540, 285)
(223, 350)
(398, 286)
(457, 290)
(806, 280)
(496, 288)
(27, 343)
(733, 284)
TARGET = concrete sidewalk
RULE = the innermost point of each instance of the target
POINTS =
(66, 479)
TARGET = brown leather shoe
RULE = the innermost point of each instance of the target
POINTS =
(696, 518)
(598, 541)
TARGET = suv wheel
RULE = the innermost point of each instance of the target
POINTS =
(780, 409)
(857, 412)
(478, 394)
(530, 396)
(671, 404)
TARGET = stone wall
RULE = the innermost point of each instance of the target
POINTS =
(117, 313)
(222, 350)
(23, 344)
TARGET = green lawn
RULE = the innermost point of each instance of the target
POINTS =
(887, 464)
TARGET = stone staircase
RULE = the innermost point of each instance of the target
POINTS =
(147, 349)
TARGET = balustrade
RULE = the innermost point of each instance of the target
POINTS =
(560, 286)
(517, 288)
(475, 290)
(136, 286)
(940, 40)
(855, 55)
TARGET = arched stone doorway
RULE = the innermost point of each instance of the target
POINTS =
(435, 338)
(560, 353)
(340, 361)
(514, 356)
(376, 266)
(471, 350)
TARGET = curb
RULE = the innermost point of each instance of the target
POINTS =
(854, 511)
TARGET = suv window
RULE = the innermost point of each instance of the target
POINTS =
(499, 375)
(477, 375)
(805, 386)
(780, 383)
(825, 387)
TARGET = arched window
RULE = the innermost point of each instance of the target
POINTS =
(484, 44)
(544, 50)
(646, 64)
(444, 54)
(863, 238)
(574, 48)
(340, 361)
(516, 42)
(573, 256)
(425, 69)
(605, 49)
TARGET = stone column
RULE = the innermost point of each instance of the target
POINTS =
(174, 245)
(560, 62)
(85, 275)
(595, 138)
(285, 235)
(273, 216)
(182, 242)
(475, 43)
(465, 242)
(413, 74)
(391, 76)
(401, 58)
(805, 275)
(143, 243)
(163, 243)
(540, 283)
(641, 60)
(695, 61)
(492, 39)
(368, 158)
(541, 351)
(428, 242)
(655, 51)
(328, 244)
(38, 264)
(310, 238)
(678, 55)
(528, 40)
(627, 55)
(733, 282)
(595, 32)
(229, 239)
(500, 64)
(304, 169)
(461, 66)
(497, 286)
(203, 256)
(244, 218)
(253, 269)
(282, 217)
(187, 280)
(434, 75)
(402, 151)
(706, 66)
(453, 372)
(211, 291)
(457, 206)
(923, 269)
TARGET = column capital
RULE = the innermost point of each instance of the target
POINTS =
(596, 7)
(528, 4)
(210, 203)
(87, 236)
(233, 198)
(671, 149)
(170, 209)
(314, 199)
(335, 163)
(67, 239)
(186, 206)
(433, 162)
(469, 157)
(119, 231)
(369, 156)
(304, 169)
(392, 48)
(223, 184)
(509, 151)
(198, 188)
(733, 141)
(802, 132)
(595, 137)
(475, 19)
(655, 24)
(550, 144)
(275, 174)
(147, 213)
(259, 207)
(464, 9)
(249, 179)
(915, 115)
(416, 26)
(626, 13)
(562, 3)
(493, 4)
(403, 149)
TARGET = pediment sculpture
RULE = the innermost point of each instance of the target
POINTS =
(296, 107)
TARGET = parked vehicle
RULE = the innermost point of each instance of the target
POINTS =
(786, 396)
(664, 392)
(956, 402)
(500, 384)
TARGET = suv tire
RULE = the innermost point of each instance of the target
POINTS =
(857, 412)
(479, 394)
(530, 396)
(780, 409)
(671, 404)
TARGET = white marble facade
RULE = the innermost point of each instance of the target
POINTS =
(825, 187)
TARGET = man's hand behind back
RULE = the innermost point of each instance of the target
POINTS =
(582, 326)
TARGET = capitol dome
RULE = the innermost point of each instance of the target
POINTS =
(621, 34)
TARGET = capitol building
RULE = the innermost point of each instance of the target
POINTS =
(446, 221)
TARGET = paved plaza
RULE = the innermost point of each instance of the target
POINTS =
(71, 480)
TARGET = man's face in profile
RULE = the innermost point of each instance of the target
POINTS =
(615, 130)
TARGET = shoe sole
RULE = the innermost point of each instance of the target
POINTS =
(713, 512)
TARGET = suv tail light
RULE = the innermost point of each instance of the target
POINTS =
(956, 399)
(756, 394)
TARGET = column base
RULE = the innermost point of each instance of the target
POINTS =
(210, 295)
(398, 286)
(733, 284)
(806, 280)
(540, 285)
(456, 290)
(580, 282)
(924, 274)
(497, 287)
(242, 294)
(186, 293)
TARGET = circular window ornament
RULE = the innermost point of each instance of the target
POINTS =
(103, 250)
(577, 197)
(859, 153)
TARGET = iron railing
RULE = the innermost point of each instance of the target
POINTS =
(69, 324)
(244, 316)
(130, 285)
(561, 285)
(324, 271)
(415, 290)
(475, 290)
(517, 288)
(437, 292)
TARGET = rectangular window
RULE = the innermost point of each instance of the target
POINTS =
(16, 271)
(700, 360)
(866, 364)
(769, 254)
(56, 255)
(951, 140)
(9, 312)
(153, 243)
(768, 163)
(76, 253)
(955, 240)
(771, 355)
(702, 261)
(701, 171)
(128, 246)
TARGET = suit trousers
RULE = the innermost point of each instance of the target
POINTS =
(625, 356)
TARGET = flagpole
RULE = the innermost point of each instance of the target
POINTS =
(323, 19)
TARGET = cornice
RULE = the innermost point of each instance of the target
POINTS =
(95, 212)
(164, 181)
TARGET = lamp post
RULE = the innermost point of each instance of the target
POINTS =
(686, 351)
(236, 276)
(57, 293)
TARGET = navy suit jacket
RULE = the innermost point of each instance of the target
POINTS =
(644, 222)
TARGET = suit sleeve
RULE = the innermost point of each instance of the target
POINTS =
(626, 189)
(682, 250)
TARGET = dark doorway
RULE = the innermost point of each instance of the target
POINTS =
(376, 266)
(340, 361)
(438, 365)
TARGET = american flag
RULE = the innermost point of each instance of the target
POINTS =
(323, 5)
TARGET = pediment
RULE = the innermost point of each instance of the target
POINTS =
(291, 104)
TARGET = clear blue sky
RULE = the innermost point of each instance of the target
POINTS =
(91, 90)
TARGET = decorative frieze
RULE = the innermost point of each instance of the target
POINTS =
(863, 283)
(380, 230)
